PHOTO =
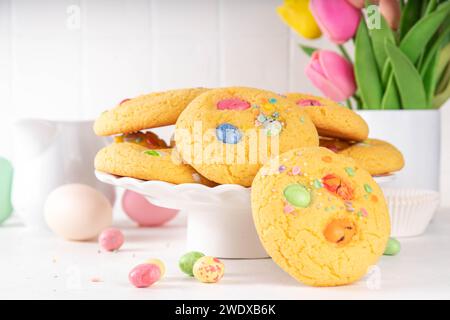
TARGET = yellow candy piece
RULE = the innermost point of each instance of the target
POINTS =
(160, 264)
(209, 269)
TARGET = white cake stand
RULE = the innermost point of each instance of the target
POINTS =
(220, 219)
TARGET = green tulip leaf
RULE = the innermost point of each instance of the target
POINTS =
(430, 7)
(429, 78)
(410, 15)
(433, 51)
(308, 50)
(391, 99)
(366, 69)
(443, 69)
(416, 40)
(378, 36)
(409, 82)
(442, 97)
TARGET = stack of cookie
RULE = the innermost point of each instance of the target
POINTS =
(217, 139)
(317, 210)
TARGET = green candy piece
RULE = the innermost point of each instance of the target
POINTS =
(297, 195)
(392, 248)
(350, 171)
(317, 184)
(188, 260)
(6, 176)
(152, 153)
(368, 188)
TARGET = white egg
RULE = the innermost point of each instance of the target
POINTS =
(77, 212)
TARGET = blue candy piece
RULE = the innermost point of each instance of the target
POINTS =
(227, 133)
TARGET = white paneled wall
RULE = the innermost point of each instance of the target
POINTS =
(72, 59)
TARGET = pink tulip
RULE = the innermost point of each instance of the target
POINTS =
(337, 19)
(332, 74)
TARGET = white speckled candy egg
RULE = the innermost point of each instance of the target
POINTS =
(77, 212)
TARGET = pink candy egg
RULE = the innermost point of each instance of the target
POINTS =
(144, 275)
(111, 239)
(233, 104)
(140, 210)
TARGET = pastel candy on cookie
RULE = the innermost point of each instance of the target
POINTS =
(227, 133)
(148, 139)
(308, 102)
(233, 104)
(324, 227)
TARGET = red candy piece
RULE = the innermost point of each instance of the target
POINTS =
(233, 104)
(337, 186)
(308, 102)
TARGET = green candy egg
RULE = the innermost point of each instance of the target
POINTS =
(297, 195)
(188, 260)
(392, 247)
(6, 175)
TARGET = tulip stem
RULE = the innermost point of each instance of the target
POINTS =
(344, 52)
(349, 104)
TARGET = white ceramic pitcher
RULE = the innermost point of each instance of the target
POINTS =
(48, 154)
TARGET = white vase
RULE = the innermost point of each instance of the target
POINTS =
(416, 133)
(48, 154)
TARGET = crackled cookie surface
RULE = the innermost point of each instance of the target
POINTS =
(134, 160)
(376, 156)
(145, 112)
(319, 216)
(330, 118)
(226, 134)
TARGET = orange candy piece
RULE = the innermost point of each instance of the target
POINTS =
(338, 186)
(340, 231)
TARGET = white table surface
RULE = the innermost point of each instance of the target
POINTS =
(38, 265)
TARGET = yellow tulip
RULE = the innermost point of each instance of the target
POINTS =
(296, 14)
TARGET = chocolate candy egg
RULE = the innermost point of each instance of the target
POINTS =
(144, 275)
(111, 239)
(160, 264)
(188, 260)
(392, 247)
(209, 269)
(227, 133)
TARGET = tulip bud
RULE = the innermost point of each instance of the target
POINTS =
(296, 14)
(331, 74)
(337, 19)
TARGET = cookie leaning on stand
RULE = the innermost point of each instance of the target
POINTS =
(321, 217)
